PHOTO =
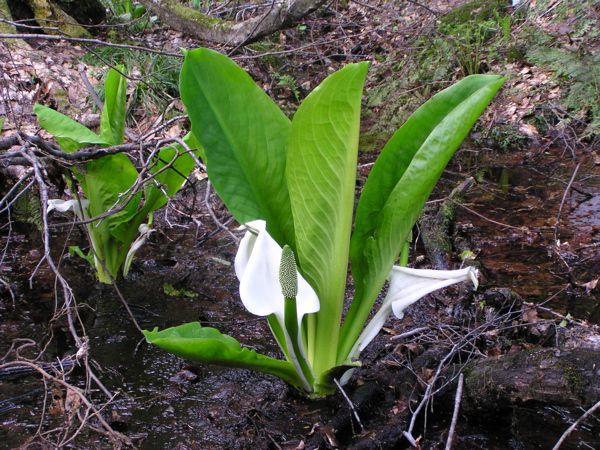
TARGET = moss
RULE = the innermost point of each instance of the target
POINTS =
(516, 53)
(61, 100)
(475, 10)
(573, 377)
(372, 141)
(503, 137)
(44, 11)
(5, 12)
(191, 14)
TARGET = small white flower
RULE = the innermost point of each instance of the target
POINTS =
(66, 205)
(145, 232)
(406, 287)
(257, 268)
(409, 285)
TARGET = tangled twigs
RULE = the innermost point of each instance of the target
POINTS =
(45, 148)
(50, 37)
(575, 424)
(464, 342)
(76, 396)
(68, 307)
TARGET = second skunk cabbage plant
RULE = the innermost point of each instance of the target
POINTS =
(292, 183)
(106, 182)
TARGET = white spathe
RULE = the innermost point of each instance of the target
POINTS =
(145, 232)
(409, 285)
(66, 205)
(405, 288)
(257, 268)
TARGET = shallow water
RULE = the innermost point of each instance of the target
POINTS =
(511, 225)
(163, 402)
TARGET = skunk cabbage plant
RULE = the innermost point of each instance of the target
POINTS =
(106, 182)
(292, 182)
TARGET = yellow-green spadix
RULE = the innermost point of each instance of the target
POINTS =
(257, 266)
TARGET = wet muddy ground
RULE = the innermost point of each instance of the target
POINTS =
(509, 221)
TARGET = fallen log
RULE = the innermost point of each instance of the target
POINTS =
(546, 376)
(435, 223)
(202, 26)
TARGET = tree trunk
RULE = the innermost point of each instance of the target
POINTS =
(66, 15)
(545, 376)
(192, 22)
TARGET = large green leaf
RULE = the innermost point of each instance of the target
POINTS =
(70, 135)
(169, 180)
(192, 341)
(321, 175)
(105, 182)
(399, 184)
(244, 134)
(112, 121)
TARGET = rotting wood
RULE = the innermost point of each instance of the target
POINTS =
(547, 376)
(53, 16)
(194, 23)
(435, 224)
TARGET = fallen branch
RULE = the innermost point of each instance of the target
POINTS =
(457, 399)
(49, 37)
(280, 14)
(435, 225)
(569, 430)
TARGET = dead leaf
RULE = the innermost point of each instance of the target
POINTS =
(529, 130)
(530, 316)
(589, 286)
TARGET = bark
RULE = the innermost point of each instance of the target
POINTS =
(67, 15)
(531, 379)
(85, 12)
(5, 14)
(194, 23)
(540, 377)
(435, 224)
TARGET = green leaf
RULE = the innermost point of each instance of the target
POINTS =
(170, 180)
(244, 134)
(192, 341)
(172, 291)
(112, 121)
(2, 123)
(71, 135)
(75, 250)
(400, 182)
(105, 182)
(321, 174)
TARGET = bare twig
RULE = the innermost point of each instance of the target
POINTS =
(562, 202)
(575, 424)
(303, 47)
(90, 88)
(409, 333)
(350, 404)
(495, 222)
(6, 284)
(52, 37)
(459, 389)
(366, 5)
(106, 428)
(425, 7)
(411, 440)
(214, 216)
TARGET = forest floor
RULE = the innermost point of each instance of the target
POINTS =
(529, 219)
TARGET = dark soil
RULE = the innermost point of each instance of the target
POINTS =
(528, 255)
